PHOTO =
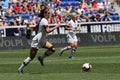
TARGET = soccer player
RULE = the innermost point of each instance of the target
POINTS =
(40, 41)
(71, 36)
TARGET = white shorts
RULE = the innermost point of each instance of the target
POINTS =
(71, 37)
(38, 41)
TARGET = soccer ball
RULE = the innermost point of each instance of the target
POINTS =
(86, 67)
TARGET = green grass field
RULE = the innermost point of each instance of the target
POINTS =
(105, 61)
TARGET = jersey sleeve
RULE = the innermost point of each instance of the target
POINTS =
(45, 24)
(69, 24)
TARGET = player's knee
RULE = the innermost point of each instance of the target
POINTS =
(75, 46)
(52, 49)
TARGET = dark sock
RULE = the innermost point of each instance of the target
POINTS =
(47, 53)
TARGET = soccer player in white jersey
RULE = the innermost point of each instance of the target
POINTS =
(71, 36)
(40, 41)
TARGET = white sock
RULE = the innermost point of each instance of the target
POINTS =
(26, 61)
(66, 48)
(22, 65)
(72, 52)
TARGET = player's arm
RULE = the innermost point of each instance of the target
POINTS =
(78, 29)
(71, 28)
(48, 30)
(68, 28)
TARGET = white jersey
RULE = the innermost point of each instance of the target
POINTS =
(39, 40)
(72, 24)
(71, 36)
(42, 25)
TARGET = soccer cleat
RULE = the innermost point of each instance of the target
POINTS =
(20, 71)
(61, 52)
(70, 57)
(41, 60)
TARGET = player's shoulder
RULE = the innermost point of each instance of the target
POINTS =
(44, 21)
(70, 22)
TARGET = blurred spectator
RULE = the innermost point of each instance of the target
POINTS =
(118, 2)
(101, 12)
(42, 6)
(17, 8)
(106, 17)
(24, 8)
(59, 14)
(98, 18)
(25, 21)
(3, 23)
(14, 1)
(37, 7)
(73, 10)
(106, 4)
(39, 1)
(100, 5)
(12, 18)
(82, 17)
(92, 16)
(12, 22)
(88, 5)
(80, 9)
(52, 19)
(29, 7)
(5, 4)
(94, 5)
(57, 2)
(31, 22)
(88, 19)
(67, 9)
(87, 11)
(9, 9)
(51, 5)
(32, 2)
(1, 4)
(84, 4)
(18, 20)
(19, 32)
(111, 9)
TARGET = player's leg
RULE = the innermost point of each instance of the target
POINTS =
(69, 40)
(50, 50)
(74, 46)
(73, 49)
(33, 52)
(64, 49)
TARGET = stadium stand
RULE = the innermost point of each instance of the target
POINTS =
(23, 12)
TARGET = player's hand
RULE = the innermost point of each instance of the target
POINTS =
(57, 25)
(78, 29)
(73, 29)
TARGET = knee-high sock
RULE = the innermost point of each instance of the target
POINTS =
(25, 62)
(33, 52)
(73, 50)
(66, 48)
(47, 53)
